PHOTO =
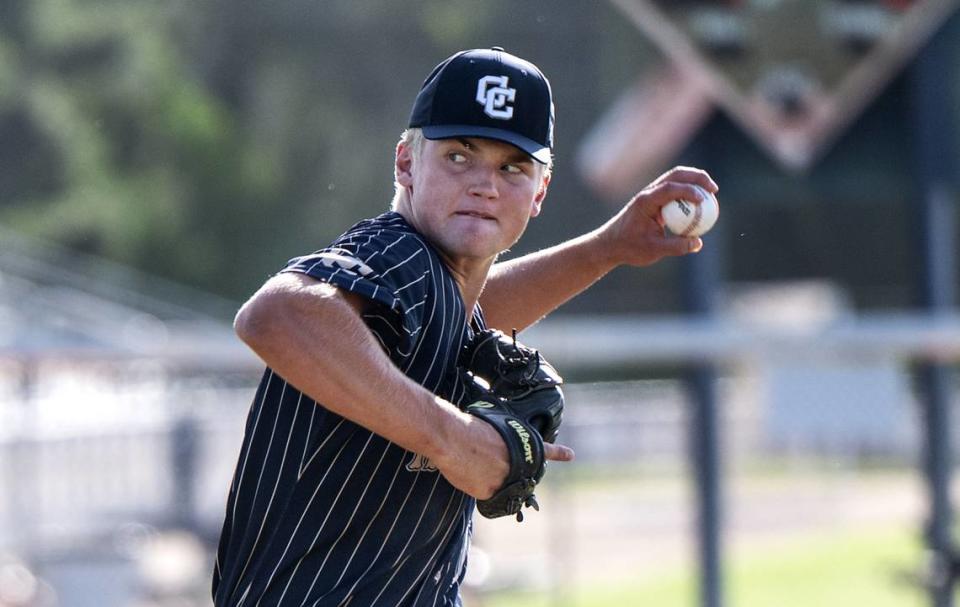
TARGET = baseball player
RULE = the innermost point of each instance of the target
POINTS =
(369, 441)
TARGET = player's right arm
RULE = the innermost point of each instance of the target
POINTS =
(521, 291)
(312, 335)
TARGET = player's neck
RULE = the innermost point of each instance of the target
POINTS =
(470, 276)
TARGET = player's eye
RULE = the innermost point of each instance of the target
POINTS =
(514, 169)
(457, 157)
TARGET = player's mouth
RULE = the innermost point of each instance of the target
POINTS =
(477, 214)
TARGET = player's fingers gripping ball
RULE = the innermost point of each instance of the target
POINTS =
(518, 393)
(690, 218)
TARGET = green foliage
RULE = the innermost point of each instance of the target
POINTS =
(126, 143)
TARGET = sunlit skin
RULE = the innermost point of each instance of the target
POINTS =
(472, 199)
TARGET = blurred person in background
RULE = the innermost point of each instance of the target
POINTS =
(358, 473)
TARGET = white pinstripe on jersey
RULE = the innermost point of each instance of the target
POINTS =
(323, 512)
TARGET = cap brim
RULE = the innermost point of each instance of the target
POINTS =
(536, 151)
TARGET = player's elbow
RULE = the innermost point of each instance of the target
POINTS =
(262, 318)
(252, 323)
(287, 306)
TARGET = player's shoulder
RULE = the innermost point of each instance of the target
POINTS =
(389, 237)
(390, 222)
(376, 248)
(387, 230)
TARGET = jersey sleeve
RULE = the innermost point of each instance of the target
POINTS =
(389, 268)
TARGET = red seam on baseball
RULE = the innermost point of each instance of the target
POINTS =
(697, 216)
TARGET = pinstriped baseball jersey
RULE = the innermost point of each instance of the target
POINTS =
(324, 512)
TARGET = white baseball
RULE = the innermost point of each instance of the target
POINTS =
(686, 218)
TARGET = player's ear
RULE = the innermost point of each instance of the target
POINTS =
(540, 195)
(403, 165)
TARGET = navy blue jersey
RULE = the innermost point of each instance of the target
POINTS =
(324, 512)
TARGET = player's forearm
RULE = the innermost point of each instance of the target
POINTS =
(521, 291)
(314, 339)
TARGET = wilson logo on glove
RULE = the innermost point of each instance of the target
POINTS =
(524, 437)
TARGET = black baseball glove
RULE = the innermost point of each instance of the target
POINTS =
(518, 393)
(506, 369)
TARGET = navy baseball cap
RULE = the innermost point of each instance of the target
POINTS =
(491, 94)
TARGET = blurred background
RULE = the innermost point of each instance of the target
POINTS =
(765, 423)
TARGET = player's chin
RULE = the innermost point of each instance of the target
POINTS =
(473, 246)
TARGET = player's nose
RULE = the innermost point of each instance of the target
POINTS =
(483, 183)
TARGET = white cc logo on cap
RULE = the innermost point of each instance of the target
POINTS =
(494, 94)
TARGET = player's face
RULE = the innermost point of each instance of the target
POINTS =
(471, 197)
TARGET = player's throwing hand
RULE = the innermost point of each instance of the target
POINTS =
(636, 235)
